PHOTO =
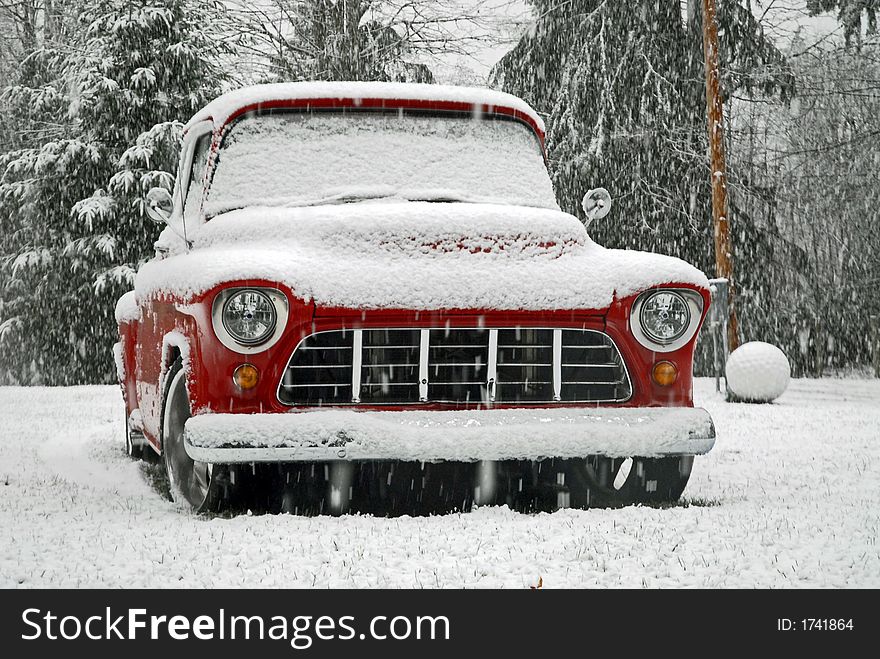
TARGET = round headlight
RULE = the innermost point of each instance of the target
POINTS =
(665, 316)
(249, 316)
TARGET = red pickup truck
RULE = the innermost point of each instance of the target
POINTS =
(367, 298)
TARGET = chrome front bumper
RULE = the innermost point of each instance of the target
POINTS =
(434, 436)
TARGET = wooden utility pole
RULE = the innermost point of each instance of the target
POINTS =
(715, 125)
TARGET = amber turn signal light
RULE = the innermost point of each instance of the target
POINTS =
(664, 373)
(246, 376)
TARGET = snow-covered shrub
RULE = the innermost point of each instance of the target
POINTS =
(98, 122)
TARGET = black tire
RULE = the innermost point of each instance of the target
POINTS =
(135, 452)
(628, 481)
(198, 486)
(594, 482)
(392, 488)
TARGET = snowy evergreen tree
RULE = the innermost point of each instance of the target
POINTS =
(622, 87)
(623, 92)
(156, 66)
(77, 201)
(34, 115)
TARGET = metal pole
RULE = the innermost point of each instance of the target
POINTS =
(713, 331)
(717, 324)
(875, 344)
(715, 125)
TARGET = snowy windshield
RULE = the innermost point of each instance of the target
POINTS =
(304, 159)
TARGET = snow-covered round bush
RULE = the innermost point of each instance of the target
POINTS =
(757, 372)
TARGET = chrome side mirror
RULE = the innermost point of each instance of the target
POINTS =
(159, 205)
(596, 204)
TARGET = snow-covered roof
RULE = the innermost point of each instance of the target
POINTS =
(221, 109)
(414, 255)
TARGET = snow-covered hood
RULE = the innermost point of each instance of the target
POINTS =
(415, 255)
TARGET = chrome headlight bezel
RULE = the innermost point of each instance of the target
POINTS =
(691, 298)
(236, 344)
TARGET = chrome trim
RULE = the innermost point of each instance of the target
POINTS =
(695, 306)
(492, 364)
(182, 182)
(282, 309)
(424, 345)
(357, 356)
(557, 364)
(313, 436)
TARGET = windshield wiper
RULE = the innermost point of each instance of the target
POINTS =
(444, 196)
(387, 192)
(443, 200)
(354, 196)
(340, 199)
(344, 197)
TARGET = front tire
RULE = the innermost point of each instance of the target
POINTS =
(198, 486)
(593, 482)
(632, 481)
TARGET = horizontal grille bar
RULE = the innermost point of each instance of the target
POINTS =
(464, 367)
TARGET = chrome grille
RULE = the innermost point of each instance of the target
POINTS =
(525, 365)
(464, 367)
(320, 370)
(389, 367)
(458, 363)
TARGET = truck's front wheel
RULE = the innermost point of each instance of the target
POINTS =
(593, 482)
(626, 481)
(196, 485)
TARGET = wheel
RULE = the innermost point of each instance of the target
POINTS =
(196, 485)
(594, 482)
(134, 451)
(628, 481)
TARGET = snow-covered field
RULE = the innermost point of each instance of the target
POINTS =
(789, 497)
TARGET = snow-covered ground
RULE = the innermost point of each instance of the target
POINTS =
(790, 496)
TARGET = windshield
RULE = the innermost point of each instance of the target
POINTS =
(304, 159)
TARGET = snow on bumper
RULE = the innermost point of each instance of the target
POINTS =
(430, 436)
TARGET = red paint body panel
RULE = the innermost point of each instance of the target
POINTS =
(210, 365)
(128, 334)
